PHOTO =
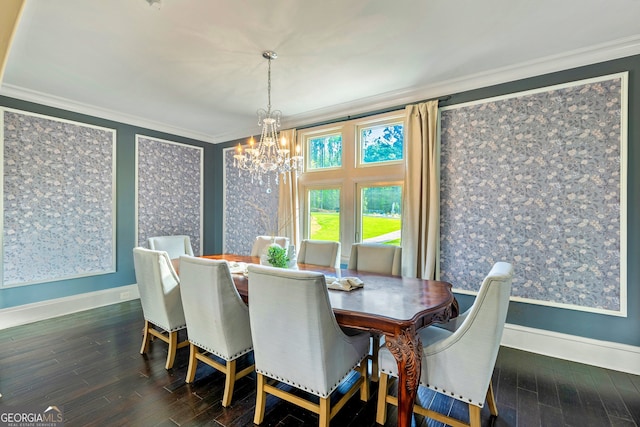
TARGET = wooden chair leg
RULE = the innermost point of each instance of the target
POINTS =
(230, 381)
(375, 339)
(384, 398)
(364, 388)
(383, 390)
(261, 399)
(173, 348)
(474, 416)
(193, 363)
(145, 337)
(324, 412)
(491, 401)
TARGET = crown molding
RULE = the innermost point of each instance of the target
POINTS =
(29, 95)
(577, 58)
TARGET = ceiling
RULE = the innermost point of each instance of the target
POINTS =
(195, 67)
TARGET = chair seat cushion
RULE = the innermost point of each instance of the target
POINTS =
(432, 335)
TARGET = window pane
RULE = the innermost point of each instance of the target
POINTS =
(381, 143)
(324, 214)
(325, 152)
(381, 216)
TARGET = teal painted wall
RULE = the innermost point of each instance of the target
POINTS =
(597, 326)
(125, 210)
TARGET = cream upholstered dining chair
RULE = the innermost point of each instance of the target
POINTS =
(297, 341)
(376, 258)
(458, 359)
(217, 319)
(262, 242)
(159, 288)
(175, 246)
(320, 252)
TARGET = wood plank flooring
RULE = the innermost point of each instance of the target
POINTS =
(89, 364)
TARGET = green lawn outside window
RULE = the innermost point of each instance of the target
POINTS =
(326, 226)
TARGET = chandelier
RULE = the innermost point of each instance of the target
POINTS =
(271, 157)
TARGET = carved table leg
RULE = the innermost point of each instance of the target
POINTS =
(407, 349)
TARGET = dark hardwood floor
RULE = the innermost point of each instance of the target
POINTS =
(88, 363)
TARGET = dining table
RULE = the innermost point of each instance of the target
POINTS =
(393, 306)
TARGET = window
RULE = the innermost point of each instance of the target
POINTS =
(324, 151)
(324, 214)
(381, 143)
(380, 214)
(351, 190)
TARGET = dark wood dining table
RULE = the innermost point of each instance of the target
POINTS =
(391, 305)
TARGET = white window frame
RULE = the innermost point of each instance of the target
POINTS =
(349, 176)
(303, 141)
(372, 123)
(368, 184)
(306, 230)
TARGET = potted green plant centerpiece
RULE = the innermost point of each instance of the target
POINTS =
(277, 256)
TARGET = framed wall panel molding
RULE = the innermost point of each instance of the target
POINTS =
(538, 179)
(248, 211)
(169, 190)
(58, 199)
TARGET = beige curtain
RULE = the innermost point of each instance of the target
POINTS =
(288, 206)
(10, 12)
(421, 201)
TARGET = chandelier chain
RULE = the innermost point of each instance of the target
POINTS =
(269, 87)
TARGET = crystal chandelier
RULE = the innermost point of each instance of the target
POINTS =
(271, 156)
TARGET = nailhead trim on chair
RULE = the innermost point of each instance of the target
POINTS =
(301, 387)
(177, 328)
(462, 398)
(234, 356)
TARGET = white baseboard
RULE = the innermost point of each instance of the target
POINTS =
(606, 354)
(28, 313)
(610, 355)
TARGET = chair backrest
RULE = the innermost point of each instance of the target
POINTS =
(175, 246)
(467, 357)
(320, 252)
(262, 242)
(296, 338)
(376, 258)
(217, 318)
(159, 289)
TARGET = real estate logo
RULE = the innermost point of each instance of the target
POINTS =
(23, 416)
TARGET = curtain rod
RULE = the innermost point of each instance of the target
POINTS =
(371, 113)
